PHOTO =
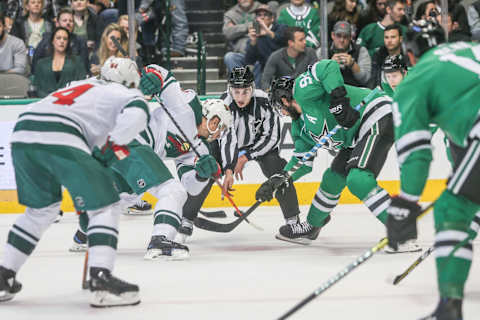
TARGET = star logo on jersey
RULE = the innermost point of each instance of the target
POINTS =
(329, 144)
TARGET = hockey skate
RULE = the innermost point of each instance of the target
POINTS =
(185, 231)
(407, 246)
(109, 291)
(447, 309)
(162, 248)
(299, 232)
(59, 216)
(141, 208)
(79, 242)
(8, 285)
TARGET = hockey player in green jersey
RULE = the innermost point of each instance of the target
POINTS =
(303, 15)
(394, 70)
(362, 144)
(424, 97)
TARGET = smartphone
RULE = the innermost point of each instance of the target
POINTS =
(256, 26)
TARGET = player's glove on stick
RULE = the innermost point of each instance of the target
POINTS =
(276, 183)
(340, 107)
(110, 153)
(151, 81)
(206, 167)
(402, 221)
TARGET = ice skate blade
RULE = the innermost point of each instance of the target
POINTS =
(408, 249)
(301, 241)
(105, 299)
(156, 254)
(133, 212)
(77, 247)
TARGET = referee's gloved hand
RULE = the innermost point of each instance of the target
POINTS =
(402, 221)
(276, 183)
(340, 107)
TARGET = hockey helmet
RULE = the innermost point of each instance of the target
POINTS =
(240, 77)
(216, 108)
(421, 36)
(282, 87)
(121, 70)
(394, 63)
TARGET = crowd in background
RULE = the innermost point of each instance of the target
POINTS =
(58, 41)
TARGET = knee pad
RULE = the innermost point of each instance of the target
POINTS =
(454, 212)
(332, 182)
(360, 182)
(171, 189)
(36, 221)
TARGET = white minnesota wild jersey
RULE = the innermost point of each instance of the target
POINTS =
(170, 91)
(81, 115)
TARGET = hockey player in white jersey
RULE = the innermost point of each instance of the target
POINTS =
(52, 145)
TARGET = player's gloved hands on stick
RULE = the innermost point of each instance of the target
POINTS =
(402, 221)
(110, 153)
(340, 107)
(206, 166)
(151, 81)
(276, 183)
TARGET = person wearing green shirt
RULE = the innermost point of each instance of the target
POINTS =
(301, 14)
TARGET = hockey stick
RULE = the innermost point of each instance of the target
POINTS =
(198, 155)
(219, 227)
(348, 269)
(213, 214)
(424, 255)
(85, 284)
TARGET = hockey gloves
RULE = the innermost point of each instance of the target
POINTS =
(276, 183)
(206, 167)
(110, 153)
(402, 221)
(151, 81)
(340, 107)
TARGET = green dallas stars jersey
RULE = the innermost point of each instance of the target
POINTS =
(308, 20)
(443, 89)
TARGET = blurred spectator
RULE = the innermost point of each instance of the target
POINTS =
(291, 60)
(344, 10)
(87, 23)
(123, 23)
(426, 10)
(58, 69)
(455, 31)
(13, 53)
(236, 22)
(474, 19)
(107, 47)
(392, 39)
(375, 12)
(31, 26)
(179, 28)
(458, 13)
(269, 38)
(105, 11)
(301, 14)
(371, 37)
(78, 45)
(354, 60)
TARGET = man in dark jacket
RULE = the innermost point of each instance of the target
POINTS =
(291, 60)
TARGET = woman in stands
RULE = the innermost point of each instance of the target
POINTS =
(344, 10)
(107, 47)
(58, 69)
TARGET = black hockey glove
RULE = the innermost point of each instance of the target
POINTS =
(340, 107)
(402, 221)
(276, 183)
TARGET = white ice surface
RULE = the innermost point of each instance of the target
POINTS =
(245, 274)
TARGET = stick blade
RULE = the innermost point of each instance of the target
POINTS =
(214, 214)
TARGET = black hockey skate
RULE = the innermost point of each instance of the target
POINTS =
(109, 291)
(79, 242)
(447, 309)
(141, 208)
(300, 232)
(185, 230)
(8, 285)
(161, 247)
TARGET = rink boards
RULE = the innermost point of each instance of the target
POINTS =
(244, 194)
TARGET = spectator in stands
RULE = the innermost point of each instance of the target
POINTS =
(371, 37)
(392, 39)
(31, 27)
(375, 12)
(474, 20)
(301, 14)
(107, 47)
(291, 60)
(123, 23)
(269, 38)
(58, 69)
(105, 11)
(13, 53)
(87, 24)
(355, 63)
(236, 22)
(78, 45)
(459, 14)
(344, 10)
(426, 10)
(179, 28)
(455, 31)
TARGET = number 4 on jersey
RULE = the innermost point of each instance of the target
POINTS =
(67, 97)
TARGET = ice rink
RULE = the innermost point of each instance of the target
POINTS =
(245, 274)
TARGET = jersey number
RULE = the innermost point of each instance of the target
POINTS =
(305, 81)
(67, 97)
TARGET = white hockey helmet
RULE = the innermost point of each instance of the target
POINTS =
(121, 70)
(217, 108)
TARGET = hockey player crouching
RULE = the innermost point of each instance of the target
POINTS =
(394, 70)
(317, 101)
(51, 147)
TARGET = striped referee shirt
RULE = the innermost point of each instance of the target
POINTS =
(256, 129)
